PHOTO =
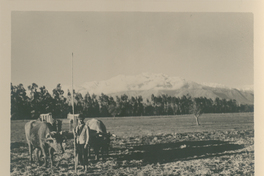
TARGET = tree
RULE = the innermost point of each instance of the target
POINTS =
(113, 107)
(217, 105)
(40, 100)
(185, 104)
(34, 100)
(33, 91)
(208, 107)
(45, 100)
(124, 105)
(133, 106)
(158, 105)
(95, 105)
(197, 108)
(20, 107)
(140, 106)
(79, 103)
(87, 105)
(60, 108)
(165, 106)
(175, 105)
(104, 102)
(148, 110)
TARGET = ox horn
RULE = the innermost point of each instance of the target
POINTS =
(51, 134)
(48, 135)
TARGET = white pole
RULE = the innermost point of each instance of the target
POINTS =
(72, 88)
(75, 156)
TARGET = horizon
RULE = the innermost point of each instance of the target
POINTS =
(107, 86)
(210, 84)
(148, 84)
(200, 47)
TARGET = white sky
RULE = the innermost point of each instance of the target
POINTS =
(202, 47)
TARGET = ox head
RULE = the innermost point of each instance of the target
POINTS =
(105, 137)
(55, 139)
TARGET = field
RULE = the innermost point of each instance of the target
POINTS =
(161, 145)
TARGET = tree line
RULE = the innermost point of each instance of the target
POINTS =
(40, 101)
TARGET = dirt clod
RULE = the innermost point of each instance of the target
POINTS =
(194, 153)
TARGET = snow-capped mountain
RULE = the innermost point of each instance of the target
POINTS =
(146, 84)
(145, 81)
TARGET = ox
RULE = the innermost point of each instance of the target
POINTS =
(99, 138)
(39, 135)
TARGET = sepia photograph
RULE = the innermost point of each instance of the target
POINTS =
(145, 92)
(134, 92)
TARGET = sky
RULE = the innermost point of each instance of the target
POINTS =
(201, 47)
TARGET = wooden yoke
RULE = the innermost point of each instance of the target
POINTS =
(46, 117)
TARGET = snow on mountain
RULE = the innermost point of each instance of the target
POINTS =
(246, 88)
(242, 88)
(216, 85)
(146, 84)
(145, 81)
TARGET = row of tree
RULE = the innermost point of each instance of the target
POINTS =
(41, 101)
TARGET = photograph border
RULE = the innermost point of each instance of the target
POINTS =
(7, 6)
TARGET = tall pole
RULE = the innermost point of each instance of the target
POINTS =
(74, 150)
(72, 88)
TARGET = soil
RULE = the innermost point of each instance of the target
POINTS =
(161, 145)
(192, 153)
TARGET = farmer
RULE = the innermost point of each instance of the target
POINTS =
(81, 136)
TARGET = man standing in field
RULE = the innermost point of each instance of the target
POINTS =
(81, 136)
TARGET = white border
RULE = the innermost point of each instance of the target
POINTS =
(255, 7)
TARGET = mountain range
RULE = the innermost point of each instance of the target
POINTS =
(146, 84)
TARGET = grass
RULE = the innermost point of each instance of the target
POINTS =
(149, 125)
(157, 145)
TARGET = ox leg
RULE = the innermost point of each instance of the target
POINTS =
(30, 152)
(96, 153)
(51, 157)
(38, 155)
(44, 156)
(107, 152)
(88, 152)
(76, 158)
(104, 152)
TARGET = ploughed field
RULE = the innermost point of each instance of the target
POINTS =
(159, 145)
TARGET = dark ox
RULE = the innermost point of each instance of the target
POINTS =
(99, 138)
(40, 136)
